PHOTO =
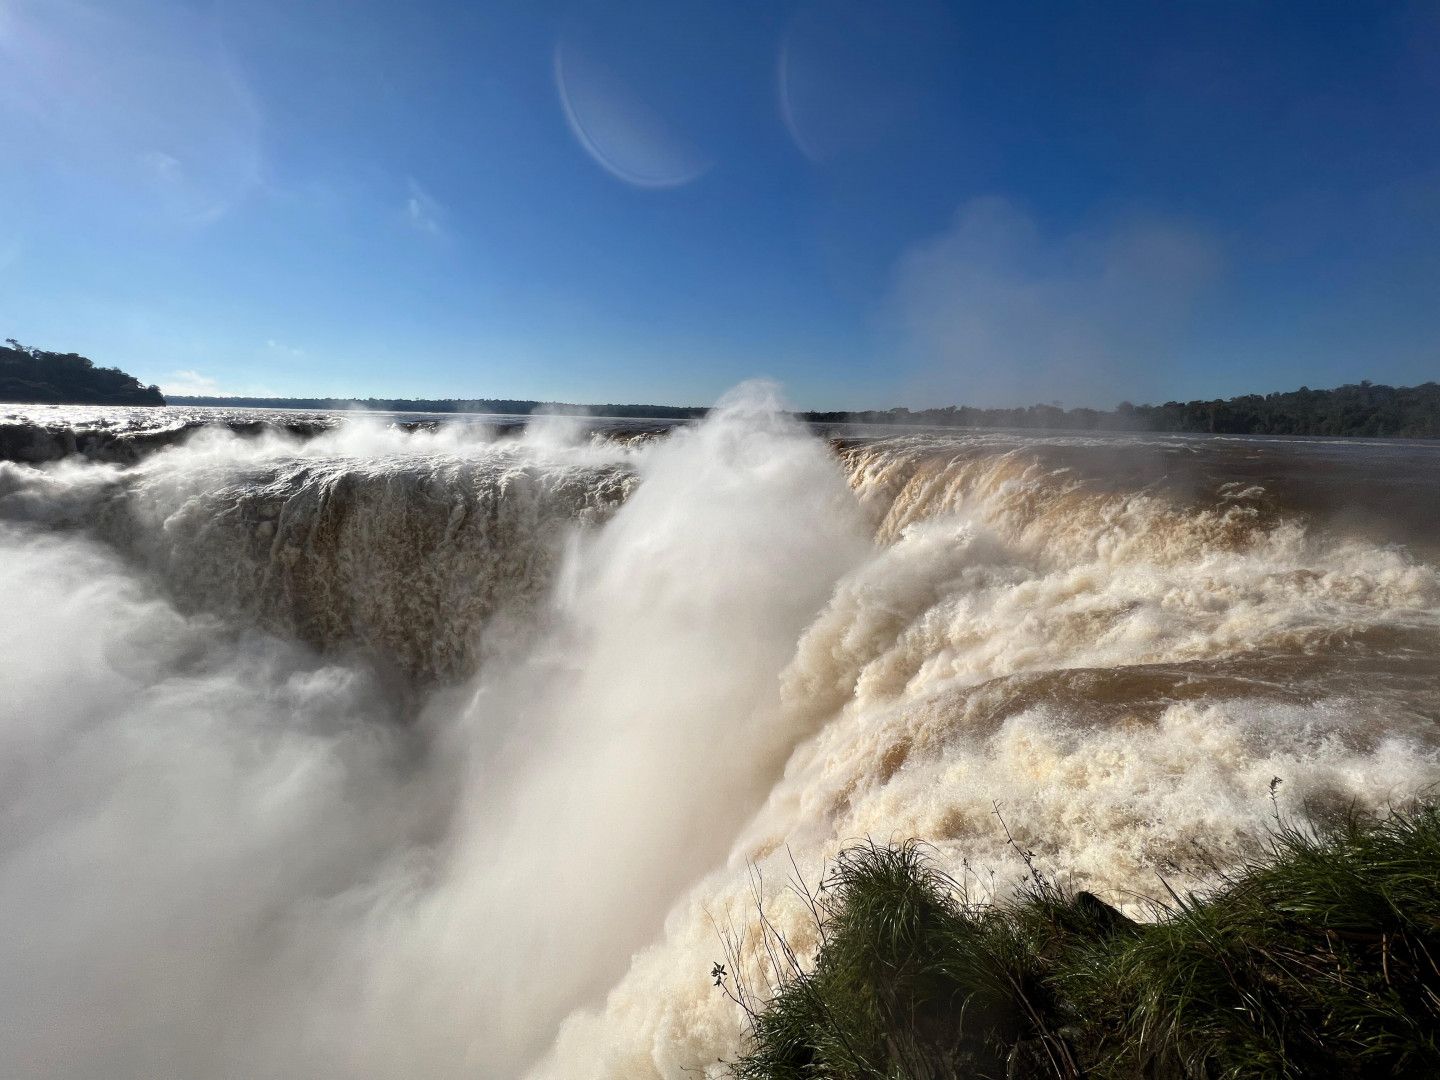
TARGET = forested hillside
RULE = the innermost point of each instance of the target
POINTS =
(32, 375)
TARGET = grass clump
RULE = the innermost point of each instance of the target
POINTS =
(1317, 959)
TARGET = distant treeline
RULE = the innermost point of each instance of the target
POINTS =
(28, 374)
(1362, 409)
(503, 406)
(32, 375)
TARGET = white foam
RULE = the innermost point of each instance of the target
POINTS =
(223, 852)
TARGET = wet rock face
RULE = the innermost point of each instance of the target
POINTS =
(33, 445)
(417, 545)
(415, 561)
(29, 443)
(421, 561)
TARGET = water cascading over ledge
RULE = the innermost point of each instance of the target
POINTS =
(641, 670)
(406, 556)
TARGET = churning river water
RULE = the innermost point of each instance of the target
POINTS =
(372, 746)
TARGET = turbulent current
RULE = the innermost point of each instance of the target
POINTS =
(336, 746)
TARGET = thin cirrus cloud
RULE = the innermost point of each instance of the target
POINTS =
(994, 310)
(187, 383)
(283, 349)
(422, 211)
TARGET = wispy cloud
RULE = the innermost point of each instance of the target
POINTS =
(285, 350)
(190, 384)
(422, 210)
(995, 311)
(165, 167)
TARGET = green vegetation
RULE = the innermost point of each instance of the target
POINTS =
(1317, 959)
(29, 374)
(34, 375)
(1363, 409)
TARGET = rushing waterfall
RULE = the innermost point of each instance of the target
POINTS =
(347, 748)
(403, 549)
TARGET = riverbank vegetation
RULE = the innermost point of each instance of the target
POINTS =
(1363, 409)
(29, 374)
(1318, 958)
(37, 376)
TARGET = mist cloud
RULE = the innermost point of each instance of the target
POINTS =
(222, 854)
(995, 311)
(422, 211)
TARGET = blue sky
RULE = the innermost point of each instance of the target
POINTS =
(874, 203)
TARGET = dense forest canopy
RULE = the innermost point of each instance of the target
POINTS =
(32, 375)
(1361, 409)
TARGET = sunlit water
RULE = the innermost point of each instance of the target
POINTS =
(378, 746)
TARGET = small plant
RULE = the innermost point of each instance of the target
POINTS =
(1318, 958)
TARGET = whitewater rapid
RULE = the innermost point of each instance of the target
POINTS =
(367, 749)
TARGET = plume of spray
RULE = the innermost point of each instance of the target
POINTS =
(406, 545)
(1124, 674)
(223, 855)
(643, 731)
